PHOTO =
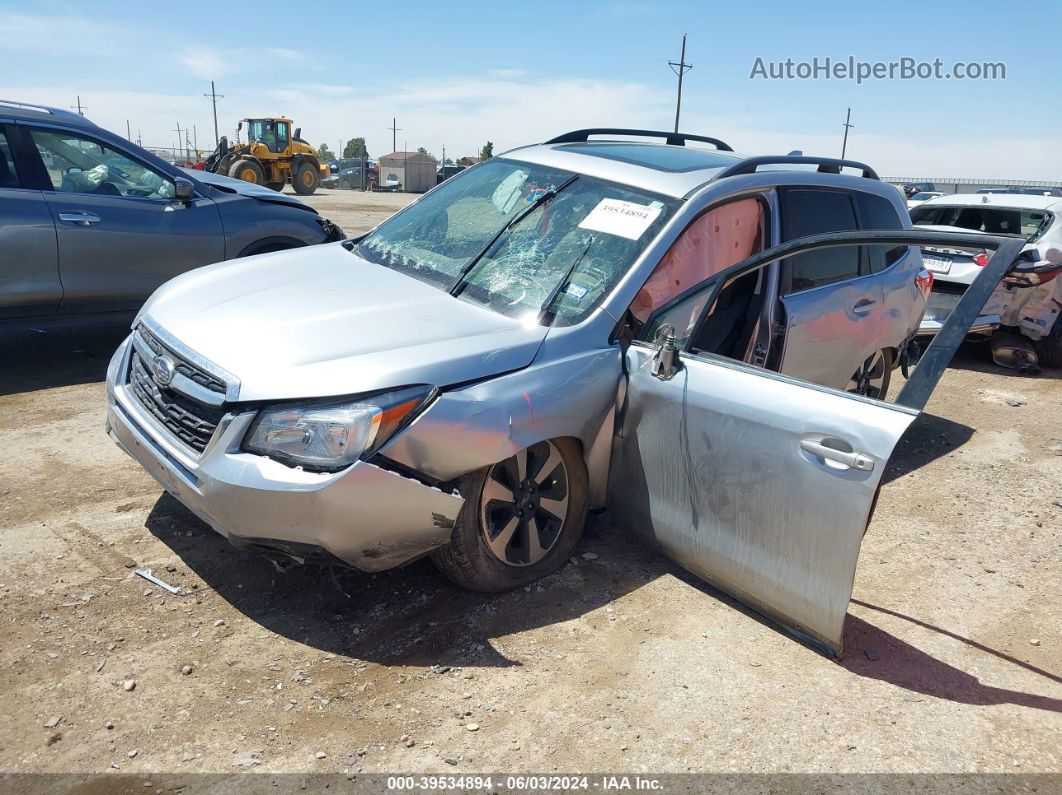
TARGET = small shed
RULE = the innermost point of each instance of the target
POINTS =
(415, 171)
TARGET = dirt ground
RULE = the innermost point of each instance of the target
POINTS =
(621, 661)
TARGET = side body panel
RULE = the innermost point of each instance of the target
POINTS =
(29, 264)
(136, 245)
(831, 330)
(249, 222)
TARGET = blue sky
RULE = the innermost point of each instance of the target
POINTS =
(457, 74)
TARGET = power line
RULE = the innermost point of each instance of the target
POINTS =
(213, 96)
(680, 69)
(847, 125)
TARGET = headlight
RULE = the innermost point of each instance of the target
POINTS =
(331, 436)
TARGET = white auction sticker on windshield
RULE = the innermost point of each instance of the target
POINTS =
(617, 217)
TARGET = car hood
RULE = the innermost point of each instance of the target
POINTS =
(260, 192)
(321, 321)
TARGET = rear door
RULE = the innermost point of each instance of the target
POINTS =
(120, 233)
(760, 483)
(29, 263)
(831, 314)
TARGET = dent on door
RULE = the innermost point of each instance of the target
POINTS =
(761, 484)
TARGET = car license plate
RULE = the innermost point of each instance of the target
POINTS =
(936, 264)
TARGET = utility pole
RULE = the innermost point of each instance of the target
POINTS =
(213, 96)
(80, 108)
(195, 142)
(128, 131)
(394, 128)
(847, 124)
(680, 69)
(180, 141)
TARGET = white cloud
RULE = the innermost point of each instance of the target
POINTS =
(214, 63)
(204, 63)
(56, 34)
(464, 112)
(286, 53)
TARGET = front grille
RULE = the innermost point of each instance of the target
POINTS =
(188, 420)
(187, 369)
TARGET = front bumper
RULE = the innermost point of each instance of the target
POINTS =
(369, 517)
(333, 232)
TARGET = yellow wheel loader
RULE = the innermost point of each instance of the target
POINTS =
(272, 157)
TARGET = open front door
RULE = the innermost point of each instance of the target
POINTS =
(762, 484)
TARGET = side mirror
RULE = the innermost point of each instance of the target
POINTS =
(666, 359)
(183, 189)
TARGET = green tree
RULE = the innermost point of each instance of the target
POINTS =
(448, 161)
(324, 154)
(423, 151)
(487, 152)
(355, 148)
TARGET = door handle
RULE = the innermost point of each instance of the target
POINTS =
(864, 306)
(854, 460)
(79, 217)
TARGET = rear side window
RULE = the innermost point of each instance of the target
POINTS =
(876, 212)
(811, 212)
(8, 177)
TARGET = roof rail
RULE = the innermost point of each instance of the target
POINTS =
(673, 138)
(10, 103)
(827, 165)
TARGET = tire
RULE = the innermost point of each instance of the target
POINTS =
(248, 170)
(873, 376)
(471, 562)
(306, 179)
(277, 186)
(1049, 348)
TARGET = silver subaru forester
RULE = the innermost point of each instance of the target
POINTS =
(701, 341)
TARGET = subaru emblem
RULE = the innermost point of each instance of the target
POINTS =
(162, 370)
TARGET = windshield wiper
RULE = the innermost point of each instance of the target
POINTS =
(546, 310)
(459, 283)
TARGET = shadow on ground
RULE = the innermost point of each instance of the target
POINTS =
(407, 616)
(413, 617)
(59, 353)
(928, 438)
(976, 356)
(876, 654)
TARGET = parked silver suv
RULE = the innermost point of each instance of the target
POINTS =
(575, 324)
(93, 223)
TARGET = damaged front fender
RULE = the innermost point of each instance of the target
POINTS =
(478, 425)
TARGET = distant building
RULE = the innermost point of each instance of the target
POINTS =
(415, 171)
(445, 172)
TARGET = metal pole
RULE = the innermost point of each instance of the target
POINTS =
(128, 131)
(213, 96)
(680, 69)
(844, 144)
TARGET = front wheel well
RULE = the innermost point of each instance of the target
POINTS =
(269, 244)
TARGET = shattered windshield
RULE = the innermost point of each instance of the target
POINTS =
(567, 252)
